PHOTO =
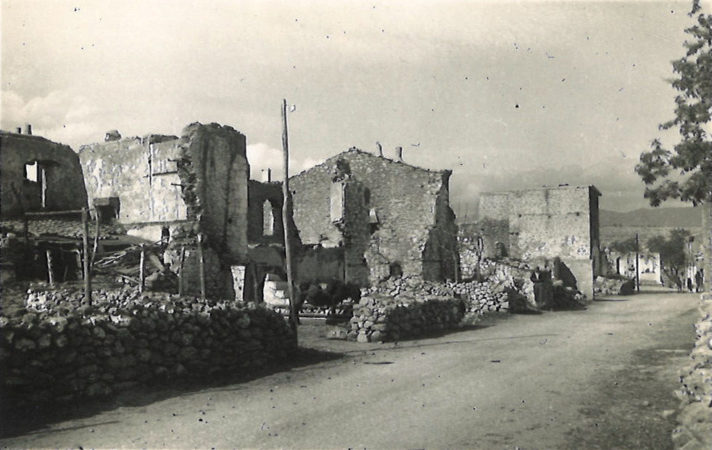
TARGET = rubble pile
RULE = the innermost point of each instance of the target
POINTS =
(58, 349)
(613, 286)
(123, 266)
(695, 417)
(381, 318)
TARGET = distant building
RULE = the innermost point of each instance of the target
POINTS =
(364, 218)
(545, 223)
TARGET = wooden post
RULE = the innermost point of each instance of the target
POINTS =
(85, 242)
(50, 274)
(285, 222)
(96, 238)
(180, 271)
(142, 269)
(201, 264)
(637, 259)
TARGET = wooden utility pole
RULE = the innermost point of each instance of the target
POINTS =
(637, 263)
(85, 242)
(285, 222)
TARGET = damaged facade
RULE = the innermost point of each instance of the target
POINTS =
(41, 194)
(543, 224)
(165, 188)
(363, 218)
(38, 175)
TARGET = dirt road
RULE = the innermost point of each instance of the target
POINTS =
(600, 378)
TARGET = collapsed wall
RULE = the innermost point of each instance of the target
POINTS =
(58, 350)
(545, 223)
(181, 187)
(389, 217)
(38, 174)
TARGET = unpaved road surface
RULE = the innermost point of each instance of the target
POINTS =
(600, 378)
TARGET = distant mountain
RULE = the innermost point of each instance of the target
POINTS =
(678, 217)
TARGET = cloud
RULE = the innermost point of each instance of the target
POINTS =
(261, 157)
(61, 116)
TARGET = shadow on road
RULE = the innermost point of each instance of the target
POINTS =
(36, 420)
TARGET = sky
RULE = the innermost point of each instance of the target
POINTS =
(508, 95)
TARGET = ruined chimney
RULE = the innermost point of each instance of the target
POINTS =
(399, 153)
(380, 148)
(19, 130)
(28, 129)
(267, 175)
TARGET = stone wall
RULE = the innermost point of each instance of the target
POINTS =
(405, 218)
(264, 213)
(57, 350)
(695, 417)
(158, 179)
(707, 244)
(380, 318)
(64, 189)
(549, 222)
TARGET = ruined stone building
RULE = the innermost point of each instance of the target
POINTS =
(172, 189)
(545, 223)
(38, 175)
(363, 218)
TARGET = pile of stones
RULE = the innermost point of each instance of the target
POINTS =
(484, 297)
(613, 286)
(695, 417)
(381, 318)
(57, 348)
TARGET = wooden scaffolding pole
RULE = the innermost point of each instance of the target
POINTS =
(85, 242)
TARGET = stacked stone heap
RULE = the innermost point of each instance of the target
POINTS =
(695, 418)
(56, 349)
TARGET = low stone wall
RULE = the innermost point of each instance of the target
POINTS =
(381, 318)
(695, 418)
(57, 349)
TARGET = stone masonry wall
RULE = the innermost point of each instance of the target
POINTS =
(406, 203)
(695, 417)
(65, 185)
(162, 179)
(58, 350)
(383, 318)
(549, 222)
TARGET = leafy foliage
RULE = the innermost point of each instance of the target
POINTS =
(672, 250)
(625, 246)
(685, 172)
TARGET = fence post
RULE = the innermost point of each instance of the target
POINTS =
(142, 269)
(85, 242)
(50, 274)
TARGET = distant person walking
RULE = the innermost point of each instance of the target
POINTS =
(699, 281)
(689, 284)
